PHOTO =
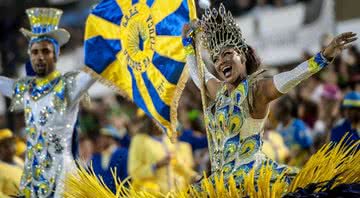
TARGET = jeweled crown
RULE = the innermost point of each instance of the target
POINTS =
(220, 30)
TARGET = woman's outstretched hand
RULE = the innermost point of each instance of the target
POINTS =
(339, 43)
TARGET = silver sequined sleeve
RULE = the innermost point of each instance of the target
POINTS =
(193, 70)
(285, 81)
(6, 86)
(83, 81)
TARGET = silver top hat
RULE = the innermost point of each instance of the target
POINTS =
(44, 22)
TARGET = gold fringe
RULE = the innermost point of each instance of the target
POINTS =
(322, 166)
(106, 82)
(175, 102)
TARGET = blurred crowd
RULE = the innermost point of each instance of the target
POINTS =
(116, 137)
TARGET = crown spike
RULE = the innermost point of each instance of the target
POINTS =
(207, 12)
(222, 10)
(214, 13)
(218, 34)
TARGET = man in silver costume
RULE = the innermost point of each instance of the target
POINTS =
(51, 103)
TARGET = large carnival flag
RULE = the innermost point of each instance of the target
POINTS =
(136, 47)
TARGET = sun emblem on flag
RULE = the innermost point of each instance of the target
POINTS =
(136, 46)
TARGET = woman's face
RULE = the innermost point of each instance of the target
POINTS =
(230, 65)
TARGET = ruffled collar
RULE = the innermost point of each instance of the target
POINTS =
(40, 82)
(40, 87)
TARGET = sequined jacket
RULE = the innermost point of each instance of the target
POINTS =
(235, 138)
(51, 107)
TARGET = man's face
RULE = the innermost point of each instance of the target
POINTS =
(104, 142)
(43, 59)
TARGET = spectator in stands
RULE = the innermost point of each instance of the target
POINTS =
(342, 70)
(328, 113)
(155, 164)
(273, 144)
(185, 161)
(89, 121)
(86, 149)
(354, 62)
(296, 134)
(194, 136)
(351, 122)
(111, 157)
(308, 112)
(120, 121)
(10, 171)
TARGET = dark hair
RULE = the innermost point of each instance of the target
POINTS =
(252, 60)
(197, 125)
(356, 53)
(286, 106)
(147, 124)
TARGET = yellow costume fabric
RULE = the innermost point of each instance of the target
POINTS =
(274, 147)
(10, 176)
(184, 164)
(323, 166)
(19, 162)
(145, 152)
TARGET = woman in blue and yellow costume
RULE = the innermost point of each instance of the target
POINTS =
(235, 119)
(51, 103)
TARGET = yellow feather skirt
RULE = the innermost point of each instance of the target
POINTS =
(323, 166)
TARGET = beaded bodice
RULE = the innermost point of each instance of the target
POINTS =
(234, 137)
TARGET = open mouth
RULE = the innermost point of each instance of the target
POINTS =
(41, 66)
(227, 71)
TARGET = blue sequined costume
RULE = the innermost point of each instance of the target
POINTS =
(235, 138)
(51, 106)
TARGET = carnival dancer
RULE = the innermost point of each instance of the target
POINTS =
(235, 119)
(51, 102)
(235, 124)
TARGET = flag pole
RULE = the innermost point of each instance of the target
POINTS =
(201, 74)
(200, 65)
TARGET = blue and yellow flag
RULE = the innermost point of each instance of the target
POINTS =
(136, 47)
